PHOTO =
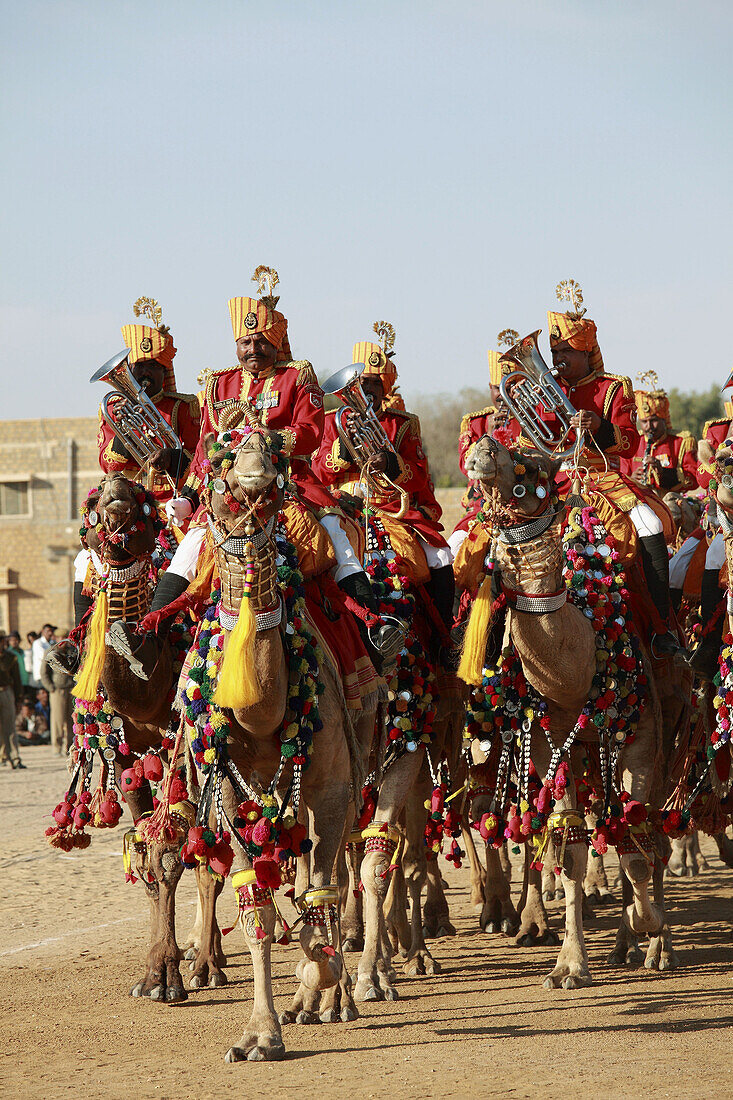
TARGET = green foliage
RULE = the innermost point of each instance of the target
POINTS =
(440, 419)
(689, 411)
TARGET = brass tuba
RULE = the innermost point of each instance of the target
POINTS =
(361, 433)
(131, 414)
(530, 389)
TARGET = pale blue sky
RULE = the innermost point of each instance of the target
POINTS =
(438, 165)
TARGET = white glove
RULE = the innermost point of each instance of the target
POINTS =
(178, 509)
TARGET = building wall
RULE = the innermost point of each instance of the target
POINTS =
(58, 461)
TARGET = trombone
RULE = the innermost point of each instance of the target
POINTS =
(530, 389)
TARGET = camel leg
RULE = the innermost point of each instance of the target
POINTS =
(498, 913)
(261, 1040)
(534, 928)
(395, 913)
(414, 861)
(595, 886)
(352, 919)
(162, 981)
(572, 970)
(374, 981)
(436, 913)
(476, 868)
(207, 967)
(192, 942)
(724, 845)
(626, 952)
(679, 864)
(660, 954)
(506, 863)
(698, 858)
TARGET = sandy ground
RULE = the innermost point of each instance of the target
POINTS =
(73, 937)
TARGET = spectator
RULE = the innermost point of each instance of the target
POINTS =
(10, 690)
(28, 654)
(58, 685)
(14, 647)
(42, 706)
(30, 728)
(39, 648)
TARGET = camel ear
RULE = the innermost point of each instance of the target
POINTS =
(539, 460)
(209, 441)
(705, 452)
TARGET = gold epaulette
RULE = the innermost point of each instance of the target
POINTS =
(688, 441)
(306, 374)
(626, 383)
(208, 373)
(712, 423)
(466, 420)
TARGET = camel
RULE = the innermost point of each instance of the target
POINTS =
(557, 651)
(145, 707)
(251, 499)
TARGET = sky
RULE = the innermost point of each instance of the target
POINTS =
(438, 165)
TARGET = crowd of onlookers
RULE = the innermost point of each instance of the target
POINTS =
(35, 701)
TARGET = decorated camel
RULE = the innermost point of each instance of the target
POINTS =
(267, 721)
(126, 717)
(567, 678)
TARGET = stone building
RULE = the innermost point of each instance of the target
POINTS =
(46, 470)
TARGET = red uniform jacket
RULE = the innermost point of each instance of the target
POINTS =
(677, 455)
(473, 427)
(181, 411)
(715, 433)
(610, 396)
(403, 432)
(288, 400)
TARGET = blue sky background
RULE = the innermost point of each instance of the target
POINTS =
(438, 165)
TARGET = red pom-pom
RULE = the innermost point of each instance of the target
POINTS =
(635, 812)
(153, 768)
(267, 872)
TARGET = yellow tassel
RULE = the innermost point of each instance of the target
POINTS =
(87, 682)
(238, 685)
(473, 656)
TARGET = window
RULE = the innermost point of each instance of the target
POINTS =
(13, 498)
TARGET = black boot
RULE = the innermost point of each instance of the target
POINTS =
(65, 656)
(704, 660)
(125, 640)
(442, 587)
(383, 642)
(655, 561)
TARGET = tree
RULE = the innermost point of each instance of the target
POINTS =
(689, 411)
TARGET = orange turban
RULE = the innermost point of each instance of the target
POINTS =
(651, 404)
(250, 315)
(377, 362)
(728, 406)
(149, 343)
(497, 369)
(580, 333)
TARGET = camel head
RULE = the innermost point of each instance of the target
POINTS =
(685, 511)
(513, 476)
(248, 471)
(119, 520)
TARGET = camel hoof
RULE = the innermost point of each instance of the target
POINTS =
(329, 1016)
(138, 990)
(508, 926)
(196, 982)
(174, 994)
(191, 954)
(157, 993)
(576, 981)
(551, 982)
(255, 1054)
(548, 895)
(634, 958)
(349, 1013)
(305, 1017)
(354, 943)
(445, 930)
(215, 980)
(371, 994)
(548, 938)
(391, 994)
(429, 932)
(286, 1018)
(527, 940)
(491, 927)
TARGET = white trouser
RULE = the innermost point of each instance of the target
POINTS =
(81, 562)
(437, 556)
(456, 540)
(715, 557)
(346, 559)
(183, 562)
(646, 521)
(680, 562)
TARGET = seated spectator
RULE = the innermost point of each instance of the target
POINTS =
(43, 707)
(31, 728)
(39, 647)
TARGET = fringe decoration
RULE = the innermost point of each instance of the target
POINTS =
(87, 682)
(470, 670)
(237, 687)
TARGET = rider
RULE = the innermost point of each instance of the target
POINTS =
(411, 519)
(665, 460)
(704, 659)
(473, 427)
(283, 396)
(605, 413)
(151, 363)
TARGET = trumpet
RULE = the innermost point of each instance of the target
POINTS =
(532, 388)
(131, 414)
(361, 433)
